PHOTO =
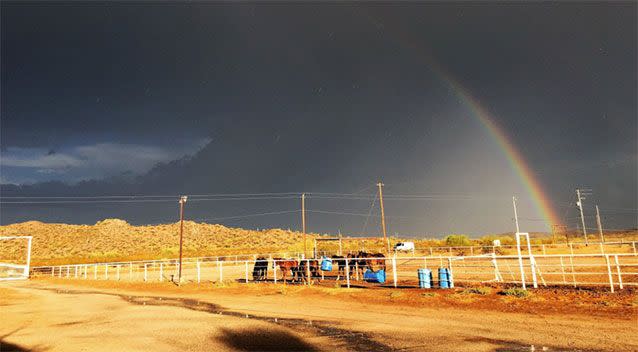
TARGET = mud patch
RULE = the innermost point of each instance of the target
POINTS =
(353, 340)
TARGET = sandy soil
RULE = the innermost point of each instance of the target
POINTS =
(59, 315)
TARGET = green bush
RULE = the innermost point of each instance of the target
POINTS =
(516, 292)
(457, 240)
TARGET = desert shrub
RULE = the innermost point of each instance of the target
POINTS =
(462, 252)
(489, 240)
(516, 292)
(478, 290)
(457, 240)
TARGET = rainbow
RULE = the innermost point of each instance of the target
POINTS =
(514, 157)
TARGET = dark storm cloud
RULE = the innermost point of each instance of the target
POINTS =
(323, 96)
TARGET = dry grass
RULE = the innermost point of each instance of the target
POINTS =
(115, 240)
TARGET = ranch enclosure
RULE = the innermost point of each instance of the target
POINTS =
(114, 240)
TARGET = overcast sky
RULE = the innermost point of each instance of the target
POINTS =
(320, 98)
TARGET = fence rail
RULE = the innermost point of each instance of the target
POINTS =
(614, 270)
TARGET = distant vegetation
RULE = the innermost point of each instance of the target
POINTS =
(457, 240)
(116, 240)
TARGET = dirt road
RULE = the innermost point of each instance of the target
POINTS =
(104, 316)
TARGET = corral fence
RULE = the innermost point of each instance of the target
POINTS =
(536, 249)
(612, 270)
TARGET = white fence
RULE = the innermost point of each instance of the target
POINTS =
(16, 271)
(615, 271)
(572, 248)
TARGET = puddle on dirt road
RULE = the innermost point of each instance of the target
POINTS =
(354, 340)
(501, 345)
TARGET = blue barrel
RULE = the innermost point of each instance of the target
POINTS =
(381, 276)
(374, 276)
(326, 264)
(370, 276)
(425, 278)
(444, 278)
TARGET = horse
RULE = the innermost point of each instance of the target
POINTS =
(287, 266)
(357, 264)
(376, 260)
(340, 261)
(309, 266)
(260, 270)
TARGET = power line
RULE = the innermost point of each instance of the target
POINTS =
(365, 225)
(90, 201)
(153, 196)
(249, 215)
(356, 214)
(141, 200)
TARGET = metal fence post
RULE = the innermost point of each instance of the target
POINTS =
(532, 261)
(95, 272)
(618, 270)
(497, 274)
(520, 260)
(76, 271)
(221, 271)
(571, 263)
(161, 272)
(145, 272)
(198, 272)
(106, 271)
(451, 278)
(52, 271)
(633, 244)
(347, 273)
(117, 276)
(246, 271)
(611, 279)
(562, 269)
(274, 270)
(394, 270)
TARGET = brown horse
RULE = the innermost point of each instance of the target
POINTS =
(376, 261)
(308, 267)
(340, 262)
(287, 266)
(357, 265)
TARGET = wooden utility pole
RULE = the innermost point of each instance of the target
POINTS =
(385, 237)
(182, 201)
(600, 226)
(303, 222)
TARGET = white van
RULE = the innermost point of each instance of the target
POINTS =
(404, 246)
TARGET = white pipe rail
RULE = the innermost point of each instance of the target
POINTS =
(584, 269)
